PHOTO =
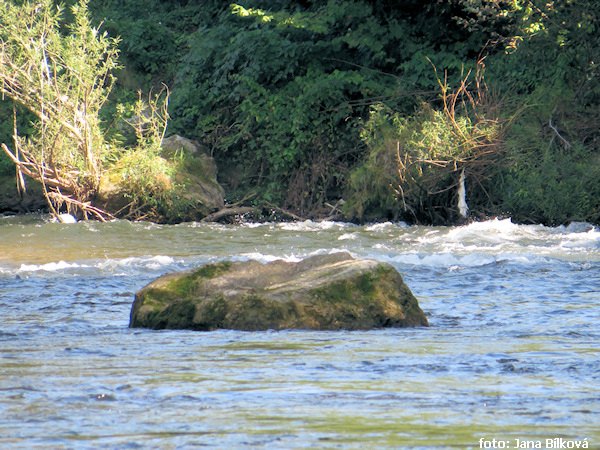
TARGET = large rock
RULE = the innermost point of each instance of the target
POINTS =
(199, 177)
(329, 292)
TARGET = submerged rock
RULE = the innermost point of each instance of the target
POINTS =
(328, 292)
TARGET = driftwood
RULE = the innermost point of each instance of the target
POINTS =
(233, 210)
(85, 207)
(51, 179)
(45, 175)
(285, 212)
(227, 212)
(335, 209)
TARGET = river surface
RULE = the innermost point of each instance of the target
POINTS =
(512, 356)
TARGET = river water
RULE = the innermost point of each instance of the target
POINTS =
(511, 357)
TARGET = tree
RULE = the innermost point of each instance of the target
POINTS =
(64, 78)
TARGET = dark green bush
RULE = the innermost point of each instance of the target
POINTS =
(415, 163)
(553, 149)
(24, 126)
(553, 186)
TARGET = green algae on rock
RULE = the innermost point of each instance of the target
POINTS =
(325, 292)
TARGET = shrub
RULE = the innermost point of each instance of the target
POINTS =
(415, 163)
(139, 168)
(63, 75)
(280, 92)
(63, 79)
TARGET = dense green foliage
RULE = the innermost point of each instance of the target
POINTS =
(281, 92)
(381, 103)
(62, 74)
(24, 120)
(414, 164)
(553, 153)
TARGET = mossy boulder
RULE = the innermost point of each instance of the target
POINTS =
(328, 292)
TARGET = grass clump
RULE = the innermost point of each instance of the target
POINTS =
(209, 271)
(185, 286)
(137, 164)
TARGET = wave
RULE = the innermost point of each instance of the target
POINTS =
(448, 260)
(309, 225)
(503, 236)
(173, 248)
(159, 265)
(116, 266)
(49, 267)
(266, 258)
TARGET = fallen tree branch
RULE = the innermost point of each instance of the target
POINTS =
(38, 172)
(285, 212)
(86, 208)
(228, 211)
(559, 135)
(132, 211)
(335, 209)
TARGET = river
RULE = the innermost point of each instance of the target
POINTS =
(512, 356)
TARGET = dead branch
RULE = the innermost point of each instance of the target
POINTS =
(86, 207)
(285, 212)
(132, 212)
(559, 135)
(227, 212)
(43, 174)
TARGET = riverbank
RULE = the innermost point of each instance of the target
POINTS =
(13, 203)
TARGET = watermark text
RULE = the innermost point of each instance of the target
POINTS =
(533, 443)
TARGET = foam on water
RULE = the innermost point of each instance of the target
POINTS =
(146, 263)
(124, 248)
(448, 260)
(49, 267)
(113, 266)
(309, 225)
(266, 258)
(500, 238)
(386, 226)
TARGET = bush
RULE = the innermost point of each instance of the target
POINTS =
(555, 189)
(146, 176)
(7, 167)
(553, 148)
(415, 163)
(279, 91)
(63, 78)
(25, 127)
(62, 73)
